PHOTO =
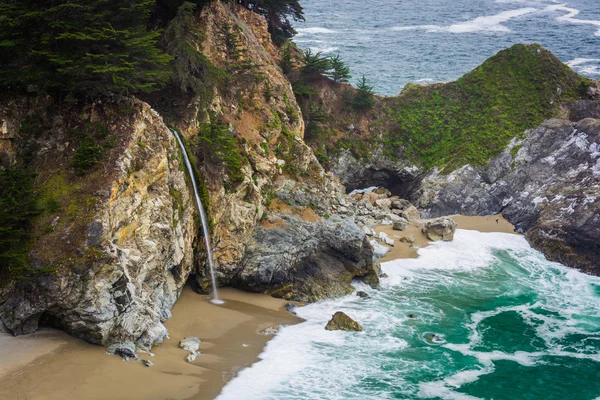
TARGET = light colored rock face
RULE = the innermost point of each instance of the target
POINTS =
(342, 322)
(138, 244)
(440, 229)
(547, 185)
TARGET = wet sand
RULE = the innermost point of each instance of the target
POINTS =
(51, 365)
(490, 223)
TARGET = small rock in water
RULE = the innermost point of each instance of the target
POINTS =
(342, 322)
(190, 343)
(412, 316)
(363, 295)
(291, 308)
(147, 363)
(384, 275)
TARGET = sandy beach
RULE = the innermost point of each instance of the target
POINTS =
(51, 365)
(490, 223)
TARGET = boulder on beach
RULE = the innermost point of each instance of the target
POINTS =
(342, 322)
(190, 343)
(440, 229)
(401, 225)
(411, 214)
(408, 239)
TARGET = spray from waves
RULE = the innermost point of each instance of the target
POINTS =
(436, 327)
(570, 16)
(492, 23)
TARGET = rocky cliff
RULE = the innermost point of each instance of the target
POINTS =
(462, 148)
(117, 235)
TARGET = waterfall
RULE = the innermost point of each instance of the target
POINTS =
(209, 253)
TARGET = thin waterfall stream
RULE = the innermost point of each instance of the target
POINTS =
(213, 276)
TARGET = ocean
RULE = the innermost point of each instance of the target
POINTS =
(393, 42)
(482, 317)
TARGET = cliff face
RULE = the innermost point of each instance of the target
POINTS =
(117, 237)
(113, 251)
(546, 183)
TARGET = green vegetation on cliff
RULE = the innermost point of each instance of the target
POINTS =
(470, 120)
(18, 207)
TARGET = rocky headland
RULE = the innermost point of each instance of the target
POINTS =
(113, 235)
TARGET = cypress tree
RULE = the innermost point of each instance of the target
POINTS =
(365, 97)
(339, 71)
(80, 46)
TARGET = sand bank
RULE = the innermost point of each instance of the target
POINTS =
(490, 223)
(51, 365)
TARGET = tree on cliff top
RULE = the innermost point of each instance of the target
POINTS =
(365, 97)
(339, 71)
(279, 14)
(80, 46)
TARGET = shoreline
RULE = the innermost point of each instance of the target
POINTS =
(489, 223)
(52, 365)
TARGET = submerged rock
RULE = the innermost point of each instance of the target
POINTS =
(440, 229)
(342, 322)
(363, 295)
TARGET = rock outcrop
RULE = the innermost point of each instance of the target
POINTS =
(342, 322)
(547, 184)
(304, 261)
(117, 249)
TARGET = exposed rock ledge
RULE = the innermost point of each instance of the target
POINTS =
(546, 184)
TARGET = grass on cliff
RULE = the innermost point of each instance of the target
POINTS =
(473, 119)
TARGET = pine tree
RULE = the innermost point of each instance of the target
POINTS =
(286, 62)
(339, 71)
(315, 65)
(191, 69)
(18, 206)
(278, 14)
(365, 97)
(81, 46)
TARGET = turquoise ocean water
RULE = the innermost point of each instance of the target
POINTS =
(482, 317)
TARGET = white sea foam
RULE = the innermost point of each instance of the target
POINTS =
(315, 30)
(571, 14)
(490, 23)
(306, 362)
(586, 66)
